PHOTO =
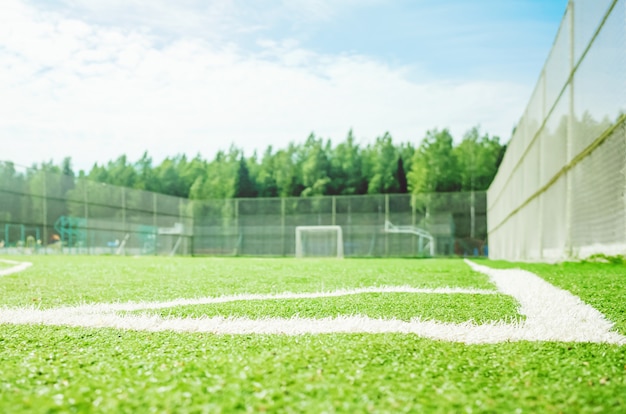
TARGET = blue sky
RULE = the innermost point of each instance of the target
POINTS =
(94, 79)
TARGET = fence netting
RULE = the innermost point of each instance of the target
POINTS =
(267, 227)
(559, 193)
(46, 212)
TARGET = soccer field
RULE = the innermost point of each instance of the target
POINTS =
(154, 334)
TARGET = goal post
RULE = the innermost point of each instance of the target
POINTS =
(425, 239)
(319, 241)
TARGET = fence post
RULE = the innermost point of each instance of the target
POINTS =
(349, 224)
(570, 138)
(180, 219)
(472, 214)
(282, 224)
(237, 229)
(154, 220)
(413, 222)
(540, 166)
(386, 220)
(124, 209)
(45, 209)
(86, 214)
(192, 222)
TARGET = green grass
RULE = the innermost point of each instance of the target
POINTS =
(47, 369)
(601, 285)
(4, 265)
(58, 280)
(404, 306)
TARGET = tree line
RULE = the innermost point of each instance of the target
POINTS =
(315, 167)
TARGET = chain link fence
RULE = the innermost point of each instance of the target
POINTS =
(267, 227)
(46, 212)
(560, 190)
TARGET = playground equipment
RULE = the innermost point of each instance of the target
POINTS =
(71, 230)
(18, 235)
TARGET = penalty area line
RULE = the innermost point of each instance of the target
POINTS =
(551, 313)
(468, 332)
(17, 267)
(135, 306)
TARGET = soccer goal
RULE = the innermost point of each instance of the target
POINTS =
(319, 241)
(425, 240)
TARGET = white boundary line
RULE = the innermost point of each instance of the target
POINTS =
(552, 314)
(18, 267)
(134, 306)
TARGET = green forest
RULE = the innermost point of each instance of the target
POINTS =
(314, 167)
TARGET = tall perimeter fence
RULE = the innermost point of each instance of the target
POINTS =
(46, 212)
(387, 225)
(560, 191)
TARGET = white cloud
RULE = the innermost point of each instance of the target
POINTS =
(93, 93)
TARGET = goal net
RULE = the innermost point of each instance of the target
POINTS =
(426, 242)
(319, 241)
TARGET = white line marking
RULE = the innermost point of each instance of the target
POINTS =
(134, 306)
(18, 267)
(551, 315)
(465, 332)
(468, 332)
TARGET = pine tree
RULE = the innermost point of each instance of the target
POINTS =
(244, 186)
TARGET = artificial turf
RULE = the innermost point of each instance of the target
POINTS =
(601, 285)
(455, 308)
(55, 369)
(61, 369)
(61, 280)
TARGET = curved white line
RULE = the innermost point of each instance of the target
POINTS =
(551, 315)
(18, 267)
(134, 306)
